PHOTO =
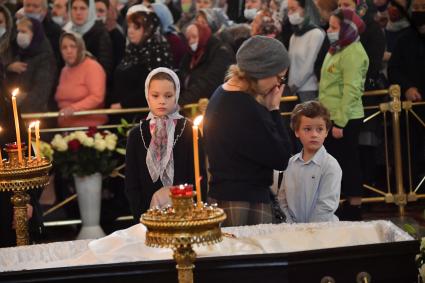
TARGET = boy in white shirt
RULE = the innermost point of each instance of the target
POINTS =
(311, 183)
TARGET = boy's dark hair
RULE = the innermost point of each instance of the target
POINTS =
(310, 109)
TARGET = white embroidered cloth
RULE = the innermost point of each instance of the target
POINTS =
(128, 245)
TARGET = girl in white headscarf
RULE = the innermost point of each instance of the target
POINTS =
(159, 151)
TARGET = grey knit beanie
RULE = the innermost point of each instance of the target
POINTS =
(261, 57)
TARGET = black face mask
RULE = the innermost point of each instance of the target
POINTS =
(418, 18)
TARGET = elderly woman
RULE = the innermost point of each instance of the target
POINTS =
(244, 133)
(81, 84)
(34, 67)
(340, 90)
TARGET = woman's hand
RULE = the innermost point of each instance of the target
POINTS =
(17, 67)
(413, 94)
(337, 132)
(272, 99)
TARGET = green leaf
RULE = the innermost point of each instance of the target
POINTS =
(124, 122)
(409, 229)
(120, 130)
(121, 150)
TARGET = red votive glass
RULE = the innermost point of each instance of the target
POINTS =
(182, 190)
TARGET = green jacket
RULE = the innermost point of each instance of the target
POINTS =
(342, 83)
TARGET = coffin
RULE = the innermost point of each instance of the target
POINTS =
(322, 252)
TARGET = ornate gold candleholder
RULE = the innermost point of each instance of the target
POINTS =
(19, 178)
(180, 226)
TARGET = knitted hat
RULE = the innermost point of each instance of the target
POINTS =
(261, 57)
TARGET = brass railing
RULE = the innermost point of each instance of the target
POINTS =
(394, 107)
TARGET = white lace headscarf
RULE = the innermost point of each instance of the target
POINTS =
(91, 19)
(162, 165)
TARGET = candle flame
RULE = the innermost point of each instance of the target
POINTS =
(32, 125)
(198, 120)
(1, 129)
(15, 92)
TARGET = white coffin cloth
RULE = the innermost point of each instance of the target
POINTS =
(128, 245)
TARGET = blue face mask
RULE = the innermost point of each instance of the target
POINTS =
(333, 37)
(34, 16)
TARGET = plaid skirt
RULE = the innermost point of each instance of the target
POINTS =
(240, 213)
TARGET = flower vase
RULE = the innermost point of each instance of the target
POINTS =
(89, 189)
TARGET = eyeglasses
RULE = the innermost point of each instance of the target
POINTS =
(282, 80)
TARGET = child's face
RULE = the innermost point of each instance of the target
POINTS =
(312, 133)
(161, 97)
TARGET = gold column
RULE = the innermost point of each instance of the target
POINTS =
(395, 108)
(20, 200)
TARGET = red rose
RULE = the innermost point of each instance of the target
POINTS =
(74, 145)
(91, 132)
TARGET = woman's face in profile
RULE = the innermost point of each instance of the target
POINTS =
(266, 85)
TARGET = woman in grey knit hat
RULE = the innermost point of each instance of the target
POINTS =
(244, 133)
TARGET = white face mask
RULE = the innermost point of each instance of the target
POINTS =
(194, 46)
(333, 36)
(58, 20)
(295, 19)
(102, 19)
(23, 40)
(2, 31)
(35, 16)
(249, 14)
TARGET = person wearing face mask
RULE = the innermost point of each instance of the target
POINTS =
(304, 46)
(107, 13)
(340, 90)
(84, 21)
(245, 138)
(407, 68)
(397, 24)
(147, 49)
(39, 10)
(202, 68)
(252, 7)
(60, 12)
(37, 79)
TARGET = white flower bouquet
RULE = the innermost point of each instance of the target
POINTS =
(85, 153)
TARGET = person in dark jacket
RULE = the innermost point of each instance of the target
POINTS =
(160, 150)
(147, 50)
(202, 69)
(407, 68)
(7, 37)
(244, 132)
(36, 79)
(96, 37)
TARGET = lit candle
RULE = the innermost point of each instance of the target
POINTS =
(18, 133)
(195, 127)
(1, 157)
(37, 140)
(29, 140)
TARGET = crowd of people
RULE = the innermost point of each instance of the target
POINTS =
(242, 55)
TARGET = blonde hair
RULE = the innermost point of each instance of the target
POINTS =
(235, 72)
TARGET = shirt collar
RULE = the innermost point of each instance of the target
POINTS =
(317, 158)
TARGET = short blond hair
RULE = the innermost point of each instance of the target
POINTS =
(235, 71)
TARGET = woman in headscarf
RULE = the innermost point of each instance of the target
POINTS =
(147, 49)
(372, 39)
(178, 46)
(37, 72)
(160, 150)
(82, 84)
(96, 38)
(341, 89)
(6, 36)
(304, 47)
(265, 24)
(202, 69)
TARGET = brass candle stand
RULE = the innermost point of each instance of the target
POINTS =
(18, 178)
(179, 227)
